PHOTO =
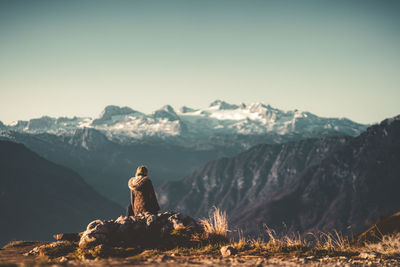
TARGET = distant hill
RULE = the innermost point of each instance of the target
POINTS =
(324, 184)
(39, 198)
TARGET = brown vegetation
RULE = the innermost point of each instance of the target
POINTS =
(183, 242)
(386, 226)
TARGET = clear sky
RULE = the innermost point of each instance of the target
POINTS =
(332, 58)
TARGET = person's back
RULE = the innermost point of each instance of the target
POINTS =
(143, 197)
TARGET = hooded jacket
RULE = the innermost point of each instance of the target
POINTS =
(143, 197)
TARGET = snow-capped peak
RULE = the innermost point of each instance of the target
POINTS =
(219, 104)
(112, 110)
(112, 114)
(186, 109)
(220, 118)
(166, 112)
(167, 108)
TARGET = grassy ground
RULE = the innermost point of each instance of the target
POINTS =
(185, 247)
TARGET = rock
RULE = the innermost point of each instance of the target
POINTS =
(93, 224)
(63, 259)
(73, 237)
(97, 232)
(53, 249)
(366, 255)
(150, 219)
(33, 252)
(228, 251)
(162, 259)
(177, 220)
(259, 263)
(136, 230)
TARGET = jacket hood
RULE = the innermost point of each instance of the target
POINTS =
(136, 181)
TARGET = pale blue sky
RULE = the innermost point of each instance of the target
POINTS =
(332, 58)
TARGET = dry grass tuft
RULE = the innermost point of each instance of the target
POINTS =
(179, 237)
(216, 224)
(57, 249)
(331, 241)
(215, 228)
(322, 244)
(20, 244)
(390, 244)
(285, 241)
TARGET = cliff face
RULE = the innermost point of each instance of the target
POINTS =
(39, 198)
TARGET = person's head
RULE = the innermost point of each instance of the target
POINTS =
(142, 171)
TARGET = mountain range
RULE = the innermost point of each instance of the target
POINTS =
(341, 183)
(107, 165)
(106, 150)
(262, 165)
(197, 128)
(39, 198)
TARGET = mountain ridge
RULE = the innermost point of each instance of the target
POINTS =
(106, 150)
(125, 124)
(353, 182)
(39, 198)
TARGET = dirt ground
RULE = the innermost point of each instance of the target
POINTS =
(14, 256)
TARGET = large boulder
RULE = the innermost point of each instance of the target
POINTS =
(137, 230)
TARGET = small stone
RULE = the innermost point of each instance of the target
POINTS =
(63, 259)
(93, 224)
(33, 252)
(365, 255)
(228, 251)
(162, 259)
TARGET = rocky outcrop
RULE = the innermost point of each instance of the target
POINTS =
(136, 230)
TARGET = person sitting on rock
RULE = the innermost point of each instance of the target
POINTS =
(143, 197)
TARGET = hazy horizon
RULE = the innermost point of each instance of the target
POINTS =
(73, 58)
